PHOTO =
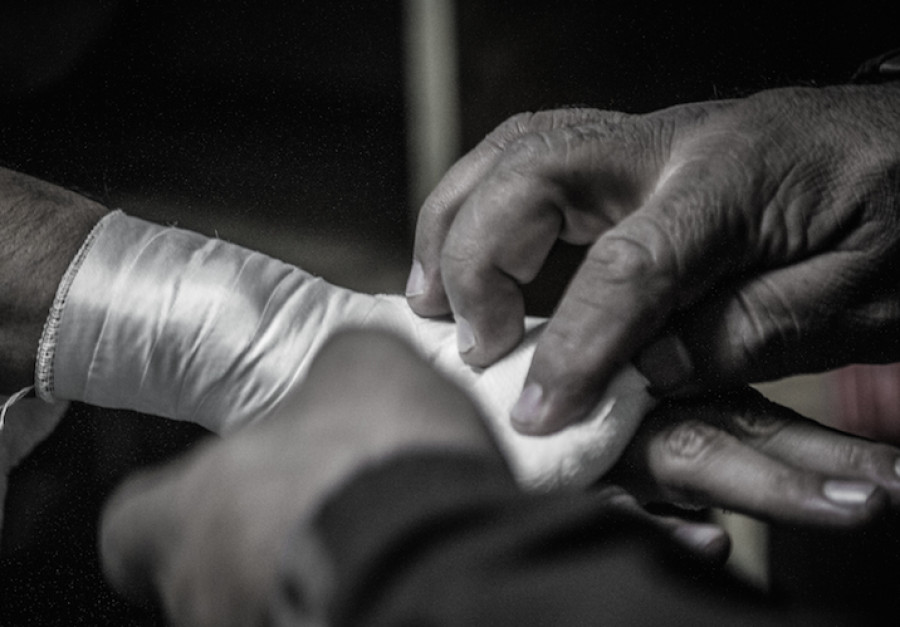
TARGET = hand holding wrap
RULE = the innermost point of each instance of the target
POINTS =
(172, 323)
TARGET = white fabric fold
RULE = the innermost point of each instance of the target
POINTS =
(172, 323)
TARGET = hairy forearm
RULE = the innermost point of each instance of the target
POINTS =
(41, 228)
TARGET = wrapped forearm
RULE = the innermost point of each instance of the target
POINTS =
(171, 323)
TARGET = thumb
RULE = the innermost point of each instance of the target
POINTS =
(654, 263)
(788, 321)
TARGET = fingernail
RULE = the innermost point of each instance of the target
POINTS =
(897, 467)
(528, 410)
(848, 492)
(465, 338)
(415, 285)
(667, 364)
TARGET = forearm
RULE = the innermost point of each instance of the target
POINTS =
(42, 227)
(175, 324)
(172, 323)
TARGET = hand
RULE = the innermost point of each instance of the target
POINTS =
(730, 241)
(201, 537)
(742, 452)
(42, 227)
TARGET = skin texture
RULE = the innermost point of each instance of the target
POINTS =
(200, 538)
(42, 228)
(731, 241)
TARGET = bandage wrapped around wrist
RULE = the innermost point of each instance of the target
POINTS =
(171, 323)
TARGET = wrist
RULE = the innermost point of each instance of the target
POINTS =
(175, 324)
(42, 227)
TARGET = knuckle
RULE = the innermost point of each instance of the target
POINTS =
(557, 118)
(680, 459)
(510, 129)
(622, 259)
(547, 162)
(528, 149)
(528, 122)
(690, 440)
(572, 117)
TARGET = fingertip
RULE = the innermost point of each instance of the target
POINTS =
(490, 318)
(535, 413)
(465, 337)
(416, 284)
(711, 542)
(855, 502)
(481, 345)
(561, 388)
(527, 415)
(425, 293)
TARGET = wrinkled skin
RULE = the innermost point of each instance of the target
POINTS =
(729, 242)
(201, 537)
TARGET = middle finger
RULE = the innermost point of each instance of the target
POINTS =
(754, 457)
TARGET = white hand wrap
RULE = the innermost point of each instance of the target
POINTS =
(172, 323)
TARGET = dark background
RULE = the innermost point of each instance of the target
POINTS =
(280, 125)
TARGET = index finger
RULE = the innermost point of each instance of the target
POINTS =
(425, 290)
(748, 454)
(659, 259)
(569, 184)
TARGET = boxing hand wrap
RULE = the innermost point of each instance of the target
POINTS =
(172, 323)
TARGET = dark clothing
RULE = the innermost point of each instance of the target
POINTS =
(451, 540)
(49, 564)
(438, 540)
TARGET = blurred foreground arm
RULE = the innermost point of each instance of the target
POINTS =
(377, 496)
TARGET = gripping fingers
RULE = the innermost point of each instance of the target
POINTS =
(618, 298)
(501, 238)
(570, 183)
(425, 290)
(699, 462)
(658, 260)
(785, 435)
(706, 540)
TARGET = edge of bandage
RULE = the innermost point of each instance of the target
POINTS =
(43, 369)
